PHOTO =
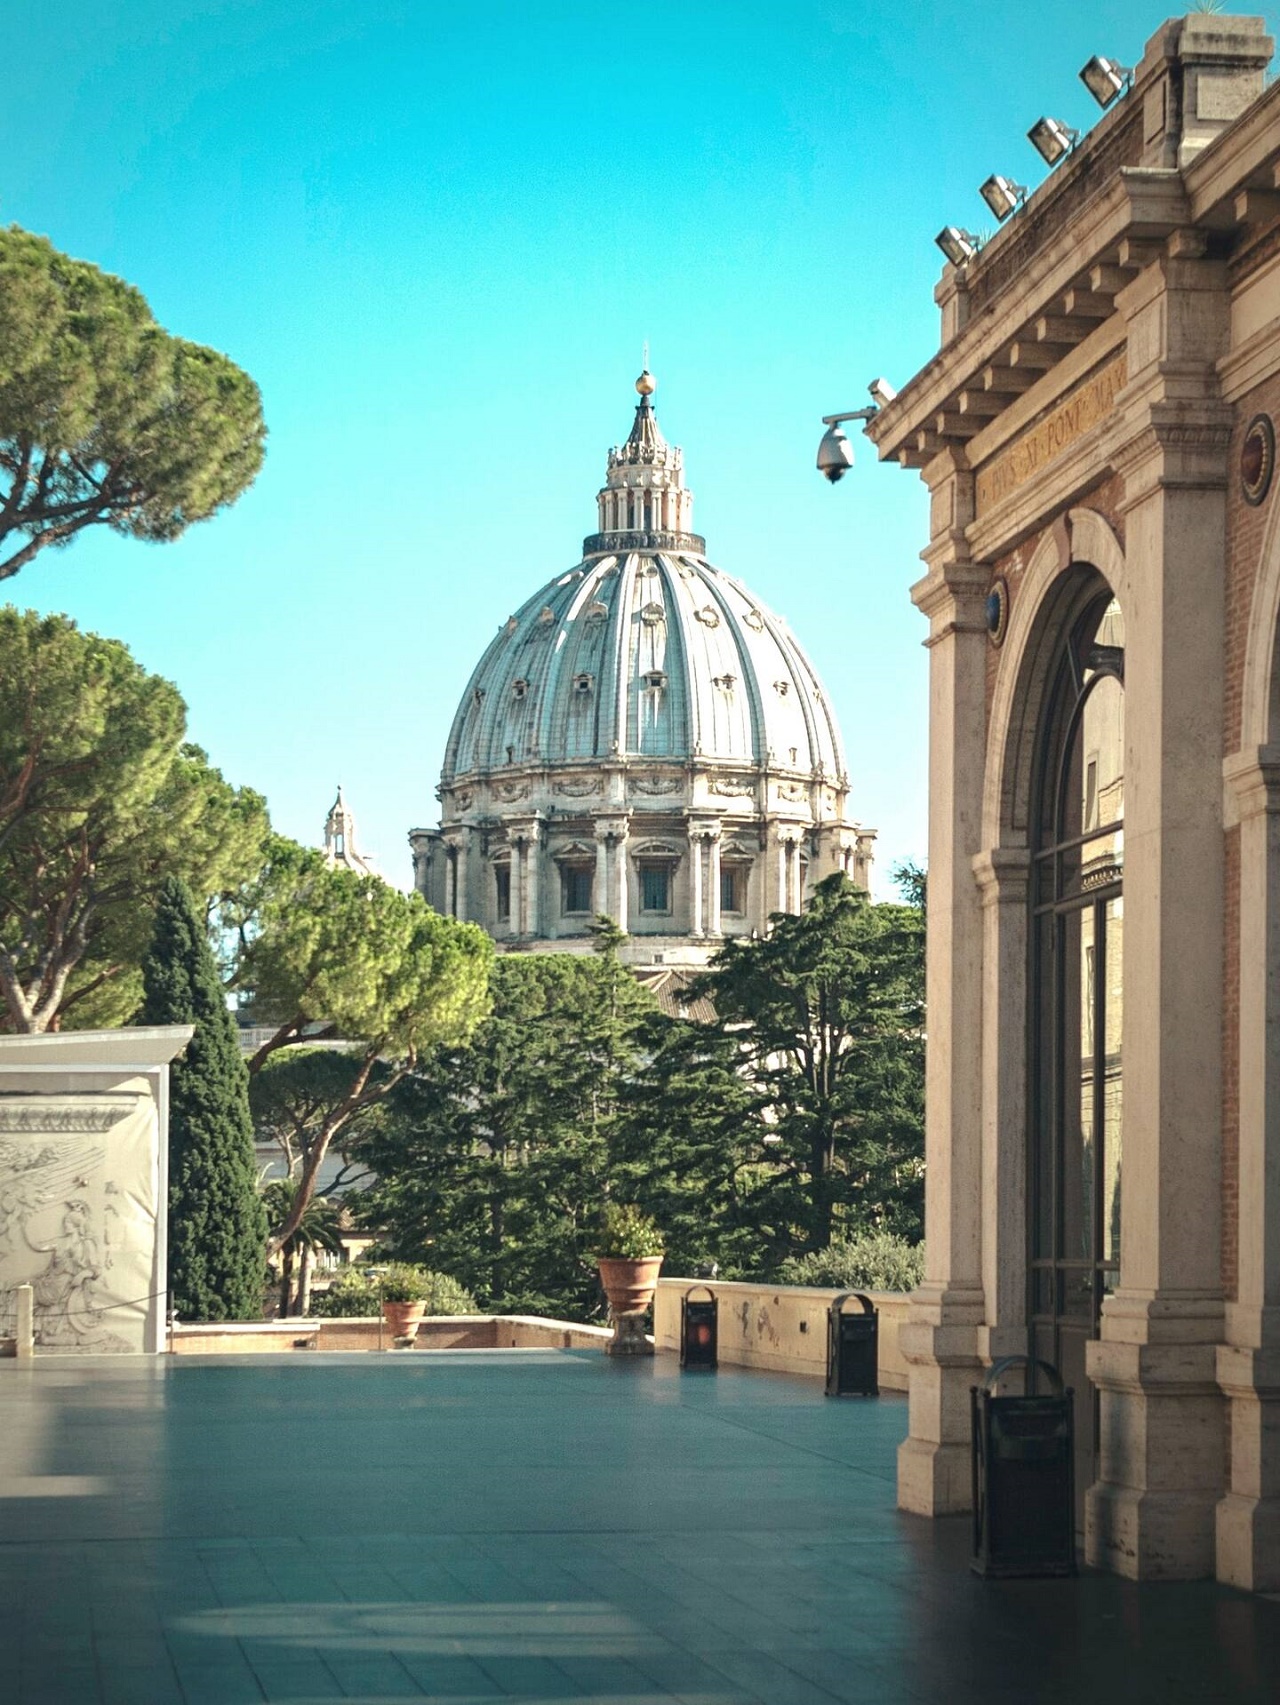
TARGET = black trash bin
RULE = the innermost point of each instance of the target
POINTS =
(853, 1349)
(699, 1329)
(1023, 1476)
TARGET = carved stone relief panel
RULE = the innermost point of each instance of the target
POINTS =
(79, 1218)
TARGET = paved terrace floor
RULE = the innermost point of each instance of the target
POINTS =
(529, 1525)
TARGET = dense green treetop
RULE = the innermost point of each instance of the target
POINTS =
(325, 945)
(828, 1013)
(217, 1226)
(494, 1161)
(100, 800)
(104, 417)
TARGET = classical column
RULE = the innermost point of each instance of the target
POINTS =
(783, 844)
(1151, 1512)
(940, 1340)
(1248, 1364)
(460, 876)
(601, 896)
(695, 881)
(533, 879)
(519, 895)
(713, 879)
(620, 888)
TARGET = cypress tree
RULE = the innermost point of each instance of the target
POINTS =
(217, 1224)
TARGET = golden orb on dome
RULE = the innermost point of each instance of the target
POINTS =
(646, 384)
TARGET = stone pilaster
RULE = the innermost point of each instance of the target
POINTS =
(1248, 1365)
(941, 1339)
(1003, 875)
(1151, 1512)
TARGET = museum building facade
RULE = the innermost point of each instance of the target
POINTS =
(1102, 584)
(643, 738)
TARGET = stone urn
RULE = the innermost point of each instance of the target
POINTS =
(403, 1318)
(629, 1284)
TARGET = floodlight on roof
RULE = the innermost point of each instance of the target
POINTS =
(1105, 79)
(1051, 139)
(957, 244)
(1002, 195)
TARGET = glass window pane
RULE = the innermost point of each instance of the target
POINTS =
(1079, 1137)
(1113, 1079)
(655, 888)
(502, 887)
(1043, 1157)
(733, 887)
(575, 888)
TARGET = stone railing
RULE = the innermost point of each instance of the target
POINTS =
(438, 1332)
(782, 1328)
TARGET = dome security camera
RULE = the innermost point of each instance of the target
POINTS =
(835, 454)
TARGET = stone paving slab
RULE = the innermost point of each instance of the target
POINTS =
(549, 1526)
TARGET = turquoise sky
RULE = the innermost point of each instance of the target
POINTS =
(437, 235)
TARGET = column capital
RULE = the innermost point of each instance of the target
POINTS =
(705, 828)
(1251, 781)
(953, 595)
(1002, 875)
(614, 828)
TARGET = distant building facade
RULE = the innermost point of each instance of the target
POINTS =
(1097, 433)
(643, 738)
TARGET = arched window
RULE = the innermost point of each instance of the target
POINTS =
(1077, 991)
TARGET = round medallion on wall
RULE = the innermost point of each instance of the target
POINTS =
(998, 610)
(1257, 458)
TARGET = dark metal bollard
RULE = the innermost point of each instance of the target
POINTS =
(853, 1349)
(699, 1329)
(1023, 1477)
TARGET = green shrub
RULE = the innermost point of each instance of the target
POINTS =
(875, 1261)
(627, 1235)
(359, 1293)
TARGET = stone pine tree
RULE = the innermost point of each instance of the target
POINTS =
(217, 1224)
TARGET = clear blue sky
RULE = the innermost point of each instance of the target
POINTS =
(437, 235)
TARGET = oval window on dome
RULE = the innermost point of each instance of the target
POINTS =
(709, 616)
(652, 614)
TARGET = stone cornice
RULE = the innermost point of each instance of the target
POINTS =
(1138, 207)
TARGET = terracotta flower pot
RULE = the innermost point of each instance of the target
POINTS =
(629, 1284)
(403, 1318)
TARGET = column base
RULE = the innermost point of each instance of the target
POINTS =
(1149, 1536)
(934, 1479)
(1248, 1543)
(1248, 1518)
(1151, 1514)
(940, 1344)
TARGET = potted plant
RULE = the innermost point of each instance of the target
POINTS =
(403, 1290)
(629, 1256)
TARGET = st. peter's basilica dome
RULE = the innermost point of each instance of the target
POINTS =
(643, 738)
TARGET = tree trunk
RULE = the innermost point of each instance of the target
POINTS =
(286, 1283)
(306, 1266)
